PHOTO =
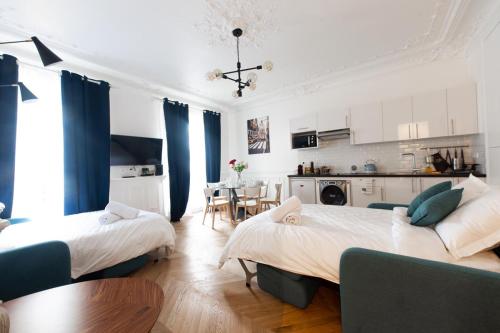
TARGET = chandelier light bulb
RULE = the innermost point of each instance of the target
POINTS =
(235, 94)
(268, 66)
(218, 73)
(252, 77)
(252, 86)
(210, 76)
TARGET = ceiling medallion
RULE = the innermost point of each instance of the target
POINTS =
(255, 17)
(251, 77)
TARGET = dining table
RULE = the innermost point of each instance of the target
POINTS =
(106, 305)
(233, 200)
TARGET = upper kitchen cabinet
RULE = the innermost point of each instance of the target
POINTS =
(462, 110)
(366, 123)
(430, 118)
(397, 118)
(333, 120)
(303, 124)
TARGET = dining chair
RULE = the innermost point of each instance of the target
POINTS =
(276, 201)
(213, 204)
(250, 199)
(215, 187)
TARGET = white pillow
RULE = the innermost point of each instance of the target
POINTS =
(472, 228)
(473, 187)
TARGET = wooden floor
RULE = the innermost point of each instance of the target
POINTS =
(199, 297)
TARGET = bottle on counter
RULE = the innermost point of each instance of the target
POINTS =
(300, 169)
(312, 166)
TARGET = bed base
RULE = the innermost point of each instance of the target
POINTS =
(249, 275)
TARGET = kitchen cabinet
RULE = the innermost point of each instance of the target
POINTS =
(397, 118)
(303, 124)
(366, 123)
(363, 195)
(430, 117)
(333, 119)
(426, 182)
(304, 189)
(400, 190)
(462, 109)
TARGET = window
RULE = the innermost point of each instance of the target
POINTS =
(198, 178)
(39, 174)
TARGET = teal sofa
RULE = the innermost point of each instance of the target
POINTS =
(383, 292)
(34, 268)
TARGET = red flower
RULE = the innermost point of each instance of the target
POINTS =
(232, 162)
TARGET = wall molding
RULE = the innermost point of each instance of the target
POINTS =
(449, 43)
(74, 61)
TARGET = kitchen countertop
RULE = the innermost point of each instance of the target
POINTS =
(391, 174)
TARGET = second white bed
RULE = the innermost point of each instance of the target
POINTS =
(315, 246)
(94, 246)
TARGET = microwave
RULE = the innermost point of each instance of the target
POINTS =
(304, 140)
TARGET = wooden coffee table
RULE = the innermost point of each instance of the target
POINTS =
(108, 305)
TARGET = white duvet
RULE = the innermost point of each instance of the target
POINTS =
(94, 246)
(315, 246)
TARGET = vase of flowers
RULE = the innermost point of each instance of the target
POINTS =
(238, 167)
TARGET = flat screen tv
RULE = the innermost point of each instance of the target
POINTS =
(134, 150)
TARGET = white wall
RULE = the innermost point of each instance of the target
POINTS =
(483, 61)
(282, 160)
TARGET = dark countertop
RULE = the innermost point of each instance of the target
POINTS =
(392, 174)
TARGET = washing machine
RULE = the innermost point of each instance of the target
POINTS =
(334, 192)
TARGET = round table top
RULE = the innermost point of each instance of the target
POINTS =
(107, 305)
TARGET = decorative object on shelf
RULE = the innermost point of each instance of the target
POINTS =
(4, 320)
(239, 167)
(26, 94)
(251, 77)
(46, 55)
(258, 135)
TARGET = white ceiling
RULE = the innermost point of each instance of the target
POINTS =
(175, 43)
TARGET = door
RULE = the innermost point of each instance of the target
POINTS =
(366, 123)
(397, 119)
(400, 190)
(333, 120)
(303, 124)
(366, 191)
(462, 109)
(304, 189)
(430, 118)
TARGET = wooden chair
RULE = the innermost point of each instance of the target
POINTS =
(276, 201)
(215, 187)
(213, 204)
(250, 199)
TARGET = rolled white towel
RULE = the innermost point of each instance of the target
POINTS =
(108, 218)
(399, 215)
(292, 218)
(291, 205)
(121, 210)
(400, 211)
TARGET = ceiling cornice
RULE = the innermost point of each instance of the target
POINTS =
(74, 60)
(420, 50)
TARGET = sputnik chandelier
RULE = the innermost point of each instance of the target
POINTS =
(217, 74)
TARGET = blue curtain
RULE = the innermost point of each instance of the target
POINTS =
(85, 105)
(211, 121)
(177, 125)
(8, 124)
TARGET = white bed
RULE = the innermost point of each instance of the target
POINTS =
(315, 246)
(94, 246)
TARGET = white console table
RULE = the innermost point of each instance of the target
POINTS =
(144, 193)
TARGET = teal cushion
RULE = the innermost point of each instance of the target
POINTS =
(435, 209)
(430, 192)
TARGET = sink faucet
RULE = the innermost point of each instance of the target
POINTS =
(414, 164)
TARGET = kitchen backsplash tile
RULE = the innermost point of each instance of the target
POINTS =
(339, 155)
